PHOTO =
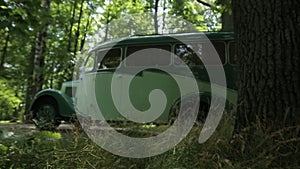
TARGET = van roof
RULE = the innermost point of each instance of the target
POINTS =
(166, 38)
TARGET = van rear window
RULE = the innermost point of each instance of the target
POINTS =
(194, 53)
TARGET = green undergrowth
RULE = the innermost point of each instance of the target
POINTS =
(251, 148)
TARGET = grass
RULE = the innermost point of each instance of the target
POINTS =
(252, 148)
(9, 122)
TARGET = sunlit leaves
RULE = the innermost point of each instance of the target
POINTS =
(9, 99)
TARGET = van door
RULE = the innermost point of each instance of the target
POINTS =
(107, 62)
(84, 106)
(146, 76)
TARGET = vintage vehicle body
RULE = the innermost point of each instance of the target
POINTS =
(103, 60)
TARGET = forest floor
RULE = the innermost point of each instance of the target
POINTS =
(29, 127)
(24, 146)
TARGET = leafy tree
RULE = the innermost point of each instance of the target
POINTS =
(15, 45)
(202, 16)
(39, 45)
(124, 13)
(222, 7)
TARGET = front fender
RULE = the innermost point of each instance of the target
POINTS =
(64, 102)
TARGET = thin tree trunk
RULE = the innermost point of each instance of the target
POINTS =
(71, 26)
(267, 34)
(85, 31)
(164, 17)
(107, 26)
(155, 16)
(77, 34)
(4, 51)
(30, 86)
(39, 59)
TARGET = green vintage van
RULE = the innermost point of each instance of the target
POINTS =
(50, 106)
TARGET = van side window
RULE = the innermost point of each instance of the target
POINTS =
(108, 59)
(140, 54)
(187, 53)
(190, 54)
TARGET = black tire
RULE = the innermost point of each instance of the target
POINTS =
(188, 104)
(201, 116)
(203, 111)
(45, 114)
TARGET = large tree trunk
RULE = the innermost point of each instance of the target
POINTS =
(268, 53)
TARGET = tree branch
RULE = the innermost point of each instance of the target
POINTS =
(204, 3)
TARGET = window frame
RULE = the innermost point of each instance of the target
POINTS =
(92, 55)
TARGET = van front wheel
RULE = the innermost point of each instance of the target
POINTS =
(45, 113)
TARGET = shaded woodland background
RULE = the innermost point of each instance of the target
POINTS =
(41, 39)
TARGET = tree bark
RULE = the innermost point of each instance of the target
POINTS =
(267, 35)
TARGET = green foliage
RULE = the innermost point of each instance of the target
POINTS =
(203, 17)
(9, 100)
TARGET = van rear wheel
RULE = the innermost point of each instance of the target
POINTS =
(45, 114)
(188, 107)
